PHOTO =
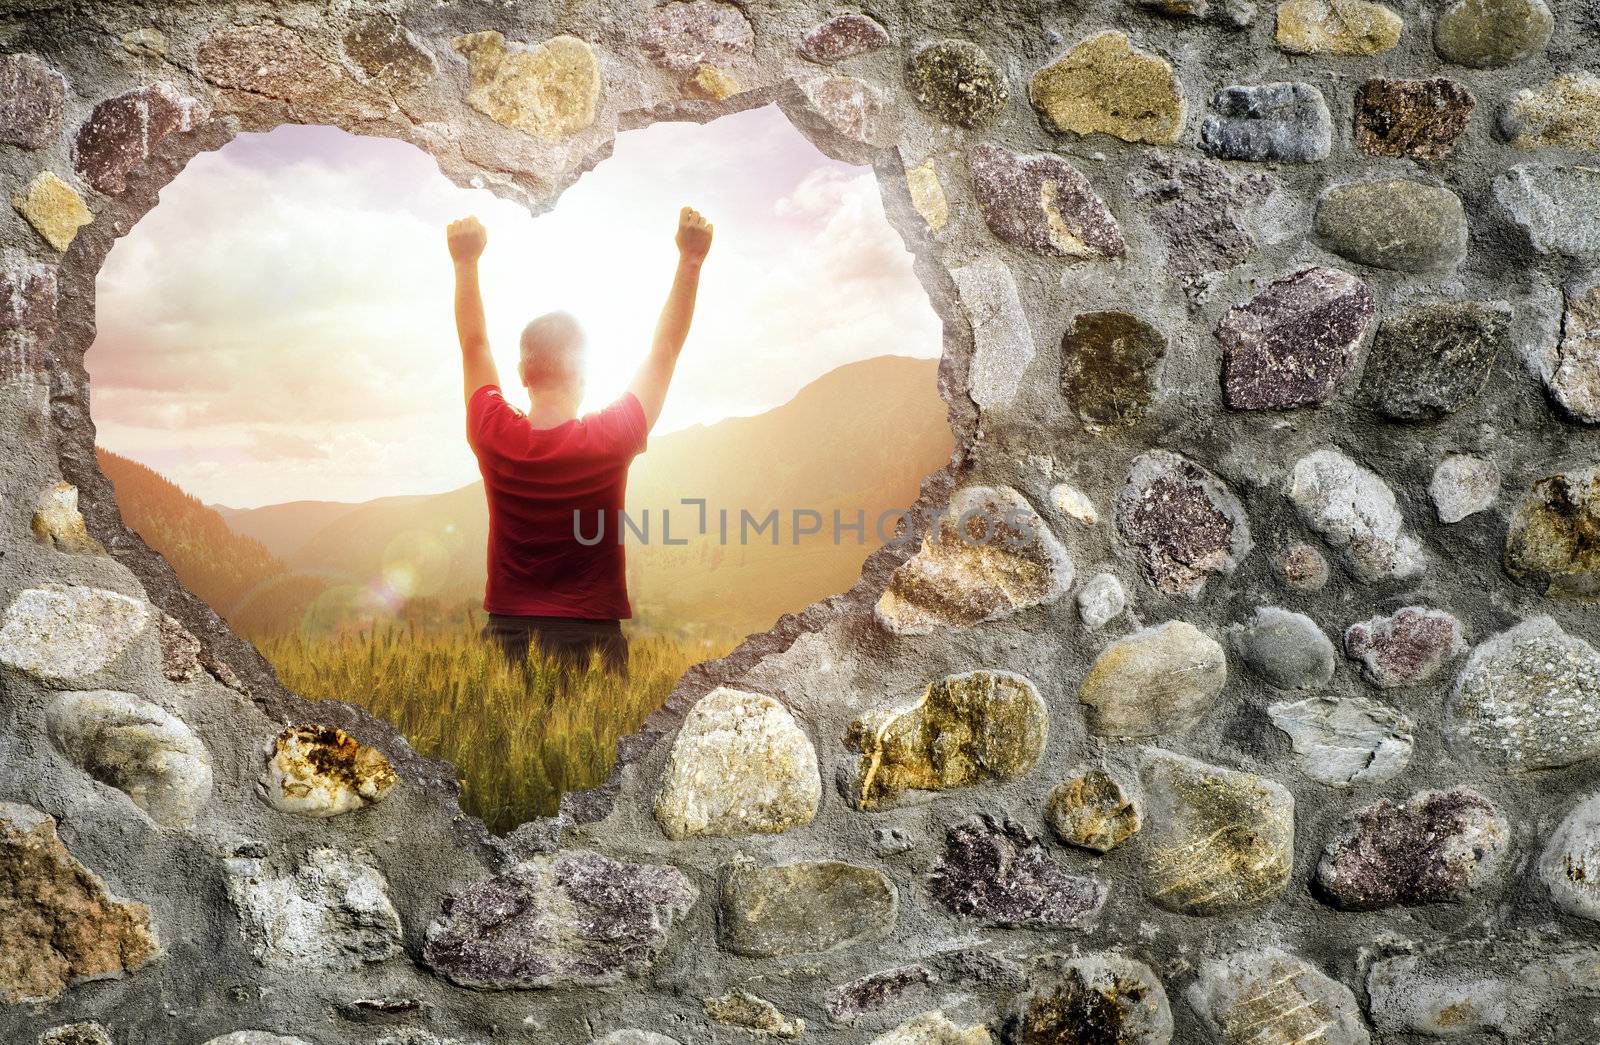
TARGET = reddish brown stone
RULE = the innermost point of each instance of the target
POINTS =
(1406, 648)
(686, 34)
(1290, 344)
(843, 37)
(1201, 210)
(1434, 847)
(997, 872)
(1184, 521)
(1418, 119)
(1042, 202)
(31, 99)
(120, 132)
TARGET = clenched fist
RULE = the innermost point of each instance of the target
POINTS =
(694, 235)
(466, 237)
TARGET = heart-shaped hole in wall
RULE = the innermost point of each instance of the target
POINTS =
(278, 392)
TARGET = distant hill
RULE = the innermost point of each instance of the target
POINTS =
(862, 436)
(237, 575)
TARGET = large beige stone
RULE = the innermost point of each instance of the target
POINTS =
(322, 771)
(1562, 114)
(964, 730)
(1159, 680)
(991, 557)
(1104, 85)
(548, 91)
(1215, 840)
(933, 1028)
(741, 765)
(63, 632)
(806, 907)
(59, 924)
(1337, 27)
(1268, 997)
(329, 912)
(54, 208)
(136, 747)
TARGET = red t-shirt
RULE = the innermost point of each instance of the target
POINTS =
(536, 479)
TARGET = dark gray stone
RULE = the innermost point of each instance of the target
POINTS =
(1286, 649)
(843, 36)
(998, 873)
(1269, 123)
(572, 918)
(1040, 201)
(956, 81)
(1109, 363)
(802, 908)
(1431, 360)
(31, 99)
(1434, 847)
(1185, 523)
(1290, 344)
(1201, 210)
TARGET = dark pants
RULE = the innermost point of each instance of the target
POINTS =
(566, 640)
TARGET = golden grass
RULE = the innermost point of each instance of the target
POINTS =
(517, 741)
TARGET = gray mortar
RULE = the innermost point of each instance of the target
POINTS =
(830, 661)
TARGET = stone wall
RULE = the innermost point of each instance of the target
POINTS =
(1275, 334)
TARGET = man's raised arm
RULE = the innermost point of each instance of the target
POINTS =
(650, 384)
(467, 238)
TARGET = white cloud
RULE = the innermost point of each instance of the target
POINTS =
(287, 306)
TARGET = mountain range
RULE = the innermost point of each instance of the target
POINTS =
(859, 438)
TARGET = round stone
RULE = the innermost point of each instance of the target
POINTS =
(1528, 698)
(1185, 523)
(1268, 997)
(980, 727)
(1408, 647)
(810, 907)
(1356, 513)
(61, 632)
(136, 747)
(740, 765)
(1285, 648)
(322, 771)
(956, 81)
(1104, 86)
(1092, 810)
(1215, 840)
(1093, 998)
(1487, 34)
(1395, 224)
(1570, 863)
(1434, 847)
(1101, 600)
(1302, 567)
(1562, 114)
(843, 36)
(1159, 680)
(1351, 27)
(1463, 485)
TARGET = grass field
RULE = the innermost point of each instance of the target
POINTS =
(516, 742)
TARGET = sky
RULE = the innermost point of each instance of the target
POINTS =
(279, 327)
